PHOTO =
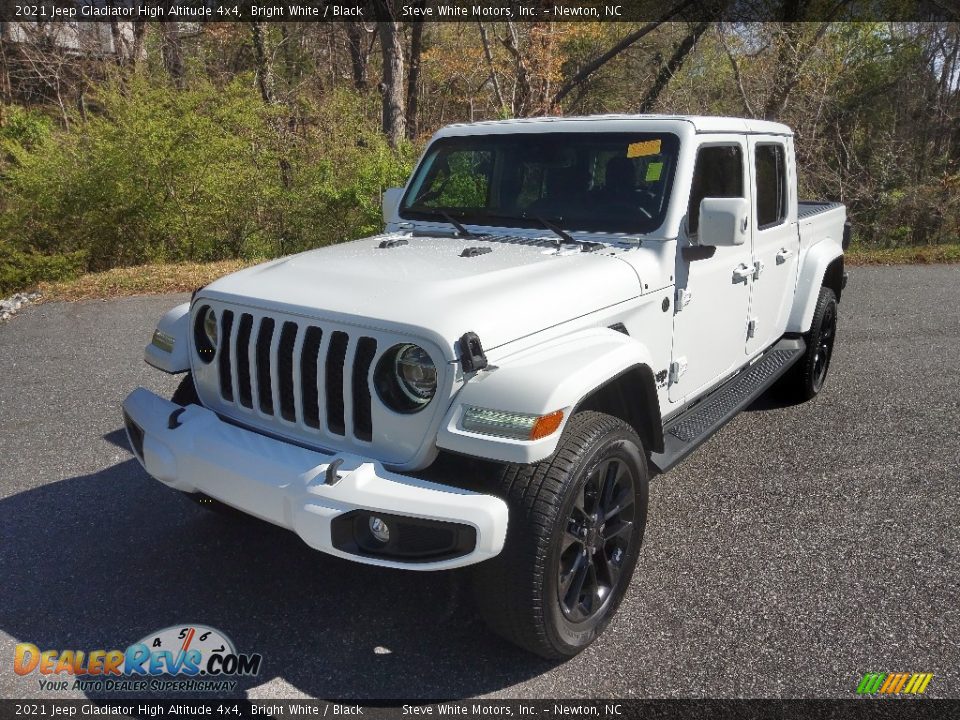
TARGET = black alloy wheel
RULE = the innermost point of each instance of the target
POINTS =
(597, 540)
(824, 347)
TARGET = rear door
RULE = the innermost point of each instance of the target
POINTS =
(712, 300)
(776, 243)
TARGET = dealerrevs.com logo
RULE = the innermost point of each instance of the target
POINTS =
(181, 658)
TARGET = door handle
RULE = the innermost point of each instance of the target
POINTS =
(783, 255)
(742, 273)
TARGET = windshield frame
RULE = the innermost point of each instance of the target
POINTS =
(496, 218)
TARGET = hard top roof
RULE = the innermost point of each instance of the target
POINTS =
(599, 123)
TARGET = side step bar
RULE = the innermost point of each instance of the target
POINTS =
(685, 432)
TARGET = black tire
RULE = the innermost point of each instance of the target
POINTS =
(554, 532)
(186, 392)
(807, 378)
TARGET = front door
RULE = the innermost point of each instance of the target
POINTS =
(776, 242)
(713, 294)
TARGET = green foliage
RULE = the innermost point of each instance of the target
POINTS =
(200, 174)
(22, 129)
(19, 270)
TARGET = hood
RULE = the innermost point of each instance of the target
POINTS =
(512, 290)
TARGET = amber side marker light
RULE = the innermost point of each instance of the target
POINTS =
(546, 425)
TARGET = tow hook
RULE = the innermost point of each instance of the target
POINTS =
(174, 422)
(333, 477)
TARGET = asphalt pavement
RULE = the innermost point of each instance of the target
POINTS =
(798, 549)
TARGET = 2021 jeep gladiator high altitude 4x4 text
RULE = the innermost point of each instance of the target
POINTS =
(558, 309)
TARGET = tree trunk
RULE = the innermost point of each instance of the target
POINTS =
(521, 86)
(263, 62)
(6, 44)
(121, 51)
(173, 52)
(488, 54)
(359, 54)
(138, 51)
(670, 69)
(413, 78)
(391, 87)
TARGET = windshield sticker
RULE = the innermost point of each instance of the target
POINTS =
(653, 172)
(643, 148)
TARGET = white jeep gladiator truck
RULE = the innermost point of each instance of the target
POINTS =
(557, 310)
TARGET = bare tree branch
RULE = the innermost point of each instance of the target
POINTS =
(591, 67)
(683, 49)
(736, 72)
(493, 72)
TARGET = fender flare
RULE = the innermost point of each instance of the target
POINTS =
(174, 324)
(810, 278)
(558, 375)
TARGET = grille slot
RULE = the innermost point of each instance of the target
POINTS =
(226, 374)
(309, 359)
(264, 384)
(288, 336)
(336, 356)
(362, 419)
(243, 360)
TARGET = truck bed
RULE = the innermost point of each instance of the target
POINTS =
(817, 220)
(809, 208)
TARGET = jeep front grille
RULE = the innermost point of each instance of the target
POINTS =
(295, 372)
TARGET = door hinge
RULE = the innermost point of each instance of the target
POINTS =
(757, 268)
(677, 368)
(752, 328)
(683, 298)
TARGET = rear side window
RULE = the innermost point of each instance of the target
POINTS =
(718, 172)
(771, 169)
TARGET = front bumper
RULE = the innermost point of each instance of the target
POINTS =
(195, 451)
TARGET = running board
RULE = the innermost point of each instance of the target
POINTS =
(685, 432)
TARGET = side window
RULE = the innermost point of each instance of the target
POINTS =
(718, 172)
(771, 171)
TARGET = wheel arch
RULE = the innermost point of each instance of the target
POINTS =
(822, 267)
(594, 369)
(631, 396)
(833, 277)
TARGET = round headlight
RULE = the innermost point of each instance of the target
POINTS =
(210, 326)
(205, 333)
(406, 378)
(417, 373)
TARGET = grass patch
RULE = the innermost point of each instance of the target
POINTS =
(920, 255)
(140, 280)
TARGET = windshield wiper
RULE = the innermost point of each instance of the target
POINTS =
(559, 232)
(585, 245)
(461, 230)
(436, 212)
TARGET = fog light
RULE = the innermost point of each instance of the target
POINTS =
(379, 529)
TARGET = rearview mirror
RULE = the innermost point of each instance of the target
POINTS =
(723, 222)
(391, 203)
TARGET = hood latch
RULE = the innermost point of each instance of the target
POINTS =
(472, 357)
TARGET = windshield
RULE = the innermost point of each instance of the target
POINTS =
(602, 182)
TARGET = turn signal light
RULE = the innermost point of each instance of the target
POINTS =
(546, 425)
